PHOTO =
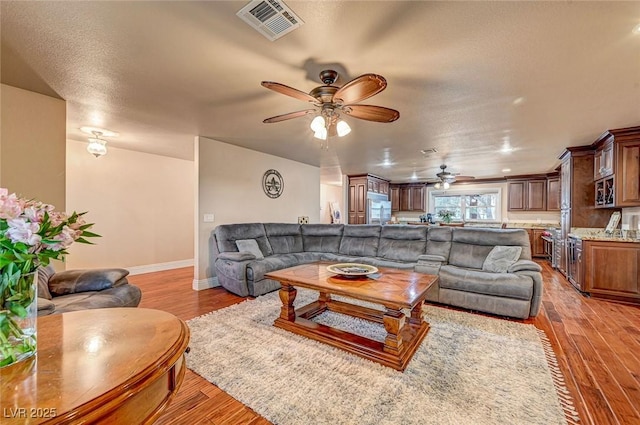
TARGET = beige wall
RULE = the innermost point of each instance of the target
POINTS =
(330, 193)
(141, 204)
(32, 145)
(230, 187)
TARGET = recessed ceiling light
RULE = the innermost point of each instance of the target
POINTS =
(636, 30)
(506, 170)
(102, 131)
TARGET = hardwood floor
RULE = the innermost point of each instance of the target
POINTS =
(597, 344)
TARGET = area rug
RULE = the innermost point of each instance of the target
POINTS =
(470, 369)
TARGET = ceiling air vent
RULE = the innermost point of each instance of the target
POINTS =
(428, 151)
(271, 18)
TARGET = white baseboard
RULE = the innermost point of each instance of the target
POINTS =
(200, 284)
(149, 268)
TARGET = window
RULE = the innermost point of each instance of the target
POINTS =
(468, 206)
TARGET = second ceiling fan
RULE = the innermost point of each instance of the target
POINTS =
(331, 101)
(445, 178)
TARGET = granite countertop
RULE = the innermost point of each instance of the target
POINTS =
(515, 225)
(604, 238)
(587, 234)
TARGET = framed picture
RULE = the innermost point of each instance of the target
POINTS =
(613, 222)
(334, 208)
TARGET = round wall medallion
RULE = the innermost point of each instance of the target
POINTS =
(272, 183)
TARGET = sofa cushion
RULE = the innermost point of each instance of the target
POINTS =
(251, 246)
(470, 247)
(284, 238)
(360, 240)
(228, 234)
(321, 237)
(500, 258)
(508, 285)
(439, 240)
(402, 243)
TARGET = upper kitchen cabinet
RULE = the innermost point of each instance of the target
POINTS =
(533, 193)
(553, 194)
(407, 197)
(617, 168)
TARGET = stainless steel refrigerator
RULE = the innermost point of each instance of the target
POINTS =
(379, 212)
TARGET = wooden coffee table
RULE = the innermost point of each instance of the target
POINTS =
(109, 366)
(394, 289)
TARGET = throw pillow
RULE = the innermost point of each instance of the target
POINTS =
(500, 258)
(250, 245)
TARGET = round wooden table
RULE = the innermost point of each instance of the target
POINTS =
(112, 365)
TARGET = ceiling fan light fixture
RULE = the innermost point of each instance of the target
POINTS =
(343, 128)
(317, 124)
(321, 133)
(446, 185)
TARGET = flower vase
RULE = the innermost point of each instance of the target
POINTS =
(18, 317)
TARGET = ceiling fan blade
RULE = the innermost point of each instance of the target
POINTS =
(360, 88)
(289, 116)
(461, 178)
(372, 113)
(289, 91)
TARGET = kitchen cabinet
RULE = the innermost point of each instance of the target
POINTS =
(616, 169)
(357, 205)
(603, 159)
(359, 187)
(394, 197)
(527, 195)
(417, 197)
(411, 197)
(612, 269)
(553, 194)
(537, 243)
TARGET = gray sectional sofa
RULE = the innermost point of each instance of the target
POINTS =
(459, 256)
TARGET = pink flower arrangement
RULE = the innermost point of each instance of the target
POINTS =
(31, 235)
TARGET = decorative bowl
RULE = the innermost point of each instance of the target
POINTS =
(352, 269)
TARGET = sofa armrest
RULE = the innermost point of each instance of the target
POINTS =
(237, 256)
(431, 258)
(74, 281)
(524, 265)
(429, 264)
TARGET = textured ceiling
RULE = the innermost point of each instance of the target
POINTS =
(467, 77)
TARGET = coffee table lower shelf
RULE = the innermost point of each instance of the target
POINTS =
(403, 339)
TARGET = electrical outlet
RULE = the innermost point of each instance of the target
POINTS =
(208, 218)
(303, 219)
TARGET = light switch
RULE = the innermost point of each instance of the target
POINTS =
(208, 218)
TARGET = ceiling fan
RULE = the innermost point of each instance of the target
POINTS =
(331, 101)
(445, 178)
